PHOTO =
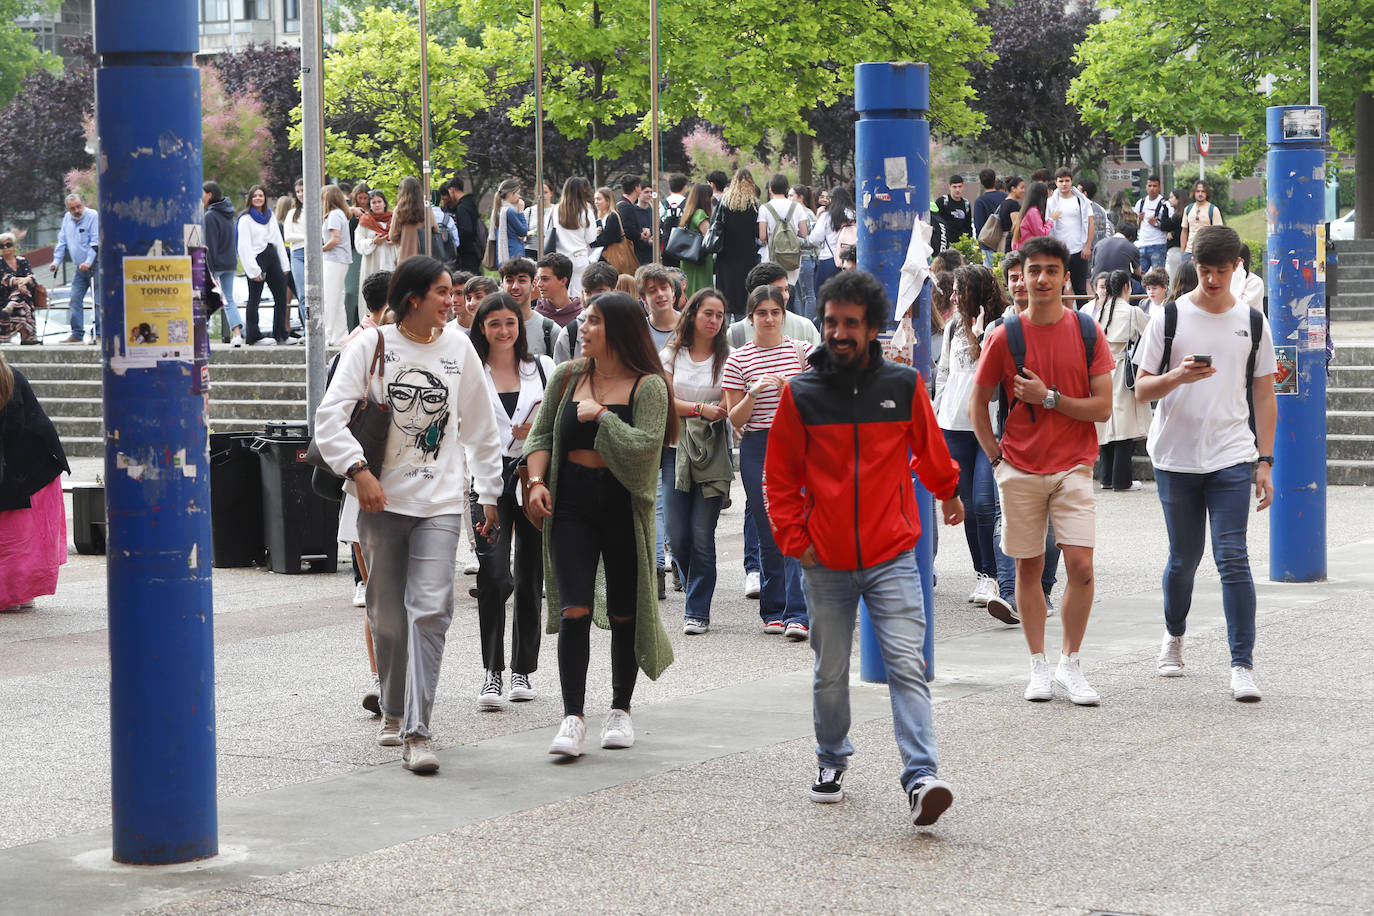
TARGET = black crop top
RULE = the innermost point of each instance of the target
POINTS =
(579, 435)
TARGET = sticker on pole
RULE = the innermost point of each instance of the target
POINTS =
(1321, 253)
(1302, 124)
(158, 314)
(1286, 377)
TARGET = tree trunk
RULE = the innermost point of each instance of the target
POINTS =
(804, 163)
(1364, 165)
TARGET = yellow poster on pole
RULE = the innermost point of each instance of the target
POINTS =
(158, 315)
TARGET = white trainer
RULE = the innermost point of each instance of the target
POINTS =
(1171, 656)
(985, 591)
(571, 740)
(1069, 675)
(418, 756)
(618, 732)
(1039, 689)
(360, 595)
(753, 585)
(390, 735)
(237, 341)
(1243, 686)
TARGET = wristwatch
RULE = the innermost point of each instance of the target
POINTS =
(1051, 400)
(749, 390)
(535, 479)
(356, 469)
(1267, 459)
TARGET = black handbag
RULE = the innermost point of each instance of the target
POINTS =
(685, 245)
(369, 424)
(715, 236)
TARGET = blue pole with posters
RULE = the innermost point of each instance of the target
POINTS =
(892, 175)
(157, 486)
(1298, 322)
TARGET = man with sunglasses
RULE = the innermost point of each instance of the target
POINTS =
(79, 238)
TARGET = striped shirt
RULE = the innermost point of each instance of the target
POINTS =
(748, 363)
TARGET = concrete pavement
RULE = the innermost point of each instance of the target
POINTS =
(1169, 798)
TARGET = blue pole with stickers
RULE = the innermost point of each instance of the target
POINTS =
(157, 475)
(1298, 322)
(892, 190)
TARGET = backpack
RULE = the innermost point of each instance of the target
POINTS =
(847, 245)
(784, 248)
(1016, 343)
(670, 220)
(441, 240)
(1256, 332)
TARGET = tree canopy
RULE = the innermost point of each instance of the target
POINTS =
(42, 133)
(272, 73)
(18, 54)
(1182, 65)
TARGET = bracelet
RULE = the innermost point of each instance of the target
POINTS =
(996, 461)
(357, 469)
(696, 409)
(599, 414)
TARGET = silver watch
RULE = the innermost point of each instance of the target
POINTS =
(1051, 400)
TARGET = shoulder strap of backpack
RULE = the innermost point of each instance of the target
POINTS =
(1256, 333)
(1088, 329)
(1170, 328)
(548, 335)
(543, 379)
(790, 210)
(1016, 344)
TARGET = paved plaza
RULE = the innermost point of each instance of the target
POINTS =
(1169, 798)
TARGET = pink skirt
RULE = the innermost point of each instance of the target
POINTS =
(33, 545)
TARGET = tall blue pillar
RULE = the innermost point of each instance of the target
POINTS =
(1298, 322)
(892, 176)
(157, 486)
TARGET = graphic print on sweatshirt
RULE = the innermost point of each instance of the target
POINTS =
(419, 402)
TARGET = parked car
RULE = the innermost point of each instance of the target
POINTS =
(1343, 229)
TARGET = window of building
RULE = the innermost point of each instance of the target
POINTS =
(214, 17)
(291, 15)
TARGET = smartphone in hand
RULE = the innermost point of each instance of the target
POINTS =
(1201, 359)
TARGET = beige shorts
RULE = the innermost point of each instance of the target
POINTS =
(1031, 501)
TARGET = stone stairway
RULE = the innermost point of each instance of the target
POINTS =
(248, 387)
(1354, 299)
(1350, 414)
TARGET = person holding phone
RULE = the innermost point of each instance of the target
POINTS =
(515, 381)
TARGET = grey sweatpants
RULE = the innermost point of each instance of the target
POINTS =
(409, 607)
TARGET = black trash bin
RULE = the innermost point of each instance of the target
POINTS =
(299, 526)
(235, 501)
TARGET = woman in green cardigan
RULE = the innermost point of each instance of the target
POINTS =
(593, 463)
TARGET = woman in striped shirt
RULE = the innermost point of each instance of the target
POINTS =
(752, 385)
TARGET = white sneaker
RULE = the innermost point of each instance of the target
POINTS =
(360, 595)
(520, 689)
(265, 342)
(1243, 686)
(390, 735)
(1171, 656)
(489, 697)
(617, 731)
(571, 740)
(418, 756)
(471, 567)
(1039, 689)
(1069, 675)
(984, 591)
(693, 627)
(237, 340)
(753, 586)
(1050, 609)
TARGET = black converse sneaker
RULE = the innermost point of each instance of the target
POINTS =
(929, 800)
(490, 695)
(827, 789)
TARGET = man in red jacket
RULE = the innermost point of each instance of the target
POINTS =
(849, 513)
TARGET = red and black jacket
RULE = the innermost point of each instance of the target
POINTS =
(840, 457)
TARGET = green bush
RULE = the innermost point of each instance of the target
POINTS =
(1185, 176)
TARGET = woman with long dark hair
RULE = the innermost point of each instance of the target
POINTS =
(372, 237)
(337, 242)
(508, 224)
(738, 218)
(573, 224)
(1122, 323)
(442, 426)
(1031, 222)
(263, 255)
(411, 216)
(978, 301)
(516, 381)
(593, 458)
(825, 235)
(694, 360)
(696, 216)
(293, 234)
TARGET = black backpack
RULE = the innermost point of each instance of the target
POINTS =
(1016, 343)
(1256, 332)
(672, 218)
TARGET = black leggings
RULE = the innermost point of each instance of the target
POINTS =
(593, 519)
(496, 582)
(275, 279)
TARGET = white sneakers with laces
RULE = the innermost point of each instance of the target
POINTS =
(985, 590)
(520, 689)
(1039, 690)
(1171, 656)
(571, 740)
(360, 595)
(489, 697)
(752, 584)
(390, 735)
(1243, 686)
(618, 732)
(1070, 677)
(418, 756)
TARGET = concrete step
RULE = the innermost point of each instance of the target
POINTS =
(220, 390)
(1350, 448)
(257, 372)
(1346, 473)
(1350, 423)
(1355, 246)
(1356, 268)
(58, 372)
(83, 446)
(1358, 354)
(1355, 286)
(1352, 313)
(1349, 399)
(248, 411)
(1352, 376)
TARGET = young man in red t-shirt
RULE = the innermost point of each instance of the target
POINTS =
(1044, 461)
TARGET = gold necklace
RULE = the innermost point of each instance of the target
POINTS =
(410, 335)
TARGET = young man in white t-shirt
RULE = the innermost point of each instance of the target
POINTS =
(1206, 458)
(772, 214)
(1153, 242)
(1071, 216)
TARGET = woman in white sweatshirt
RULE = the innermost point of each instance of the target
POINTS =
(442, 425)
(263, 255)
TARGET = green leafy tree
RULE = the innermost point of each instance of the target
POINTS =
(1183, 65)
(372, 101)
(748, 66)
(18, 54)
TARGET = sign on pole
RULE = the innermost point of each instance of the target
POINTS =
(1204, 143)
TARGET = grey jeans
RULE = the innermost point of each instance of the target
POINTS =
(409, 607)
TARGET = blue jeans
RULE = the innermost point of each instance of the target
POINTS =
(978, 492)
(692, 520)
(751, 537)
(892, 593)
(225, 279)
(1006, 566)
(780, 596)
(988, 254)
(298, 277)
(1190, 501)
(805, 299)
(665, 483)
(1152, 256)
(76, 301)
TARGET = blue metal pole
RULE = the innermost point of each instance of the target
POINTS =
(157, 486)
(1298, 322)
(892, 172)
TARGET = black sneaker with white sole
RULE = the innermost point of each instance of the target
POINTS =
(1004, 609)
(929, 800)
(827, 789)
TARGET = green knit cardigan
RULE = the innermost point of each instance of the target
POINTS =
(632, 453)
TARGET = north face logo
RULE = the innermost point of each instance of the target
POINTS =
(888, 405)
(1243, 333)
